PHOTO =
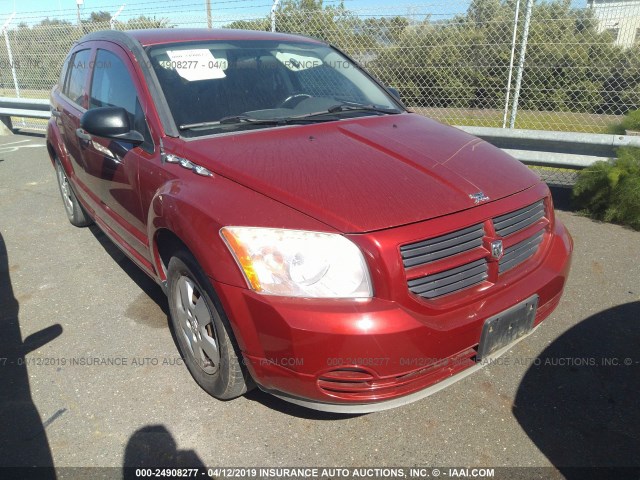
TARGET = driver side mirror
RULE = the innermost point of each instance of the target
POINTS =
(110, 122)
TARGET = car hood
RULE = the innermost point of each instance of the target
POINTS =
(365, 174)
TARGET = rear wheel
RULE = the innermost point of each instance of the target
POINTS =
(202, 331)
(75, 213)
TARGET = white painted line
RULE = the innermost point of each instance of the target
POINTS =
(13, 143)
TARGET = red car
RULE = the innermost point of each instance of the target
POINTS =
(313, 236)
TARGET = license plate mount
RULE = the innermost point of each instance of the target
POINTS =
(507, 326)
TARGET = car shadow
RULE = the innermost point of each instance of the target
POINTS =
(23, 437)
(275, 403)
(141, 279)
(153, 447)
(578, 401)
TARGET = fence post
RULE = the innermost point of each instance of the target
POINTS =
(513, 51)
(523, 53)
(209, 19)
(274, 7)
(112, 20)
(5, 31)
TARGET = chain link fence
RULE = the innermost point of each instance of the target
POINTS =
(552, 65)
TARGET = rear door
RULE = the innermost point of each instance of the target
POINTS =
(71, 103)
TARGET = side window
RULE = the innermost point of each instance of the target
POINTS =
(77, 73)
(64, 71)
(112, 86)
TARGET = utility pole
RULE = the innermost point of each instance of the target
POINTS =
(209, 22)
(523, 53)
(5, 31)
(513, 51)
(79, 4)
(274, 9)
(112, 20)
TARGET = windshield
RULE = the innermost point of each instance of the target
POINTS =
(221, 86)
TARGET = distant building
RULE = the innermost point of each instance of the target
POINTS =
(619, 17)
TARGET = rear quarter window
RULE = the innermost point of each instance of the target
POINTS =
(77, 71)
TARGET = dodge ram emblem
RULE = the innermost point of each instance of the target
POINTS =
(497, 249)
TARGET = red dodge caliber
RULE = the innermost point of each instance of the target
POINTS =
(314, 237)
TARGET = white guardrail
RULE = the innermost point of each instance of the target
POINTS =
(23, 107)
(532, 147)
(555, 149)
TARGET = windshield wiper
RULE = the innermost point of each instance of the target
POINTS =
(247, 119)
(235, 119)
(244, 119)
(354, 107)
(350, 107)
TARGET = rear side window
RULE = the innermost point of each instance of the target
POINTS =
(77, 73)
(112, 86)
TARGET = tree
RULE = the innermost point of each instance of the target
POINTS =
(147, 22)
(261, 24)
(464, 62)
(99, 17)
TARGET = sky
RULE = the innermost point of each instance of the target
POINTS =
(176, 10)
(190, 12)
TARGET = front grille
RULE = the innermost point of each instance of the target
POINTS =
(518, 253)
(459, 278)
(515, 221)
(468, 245)
(427, 251)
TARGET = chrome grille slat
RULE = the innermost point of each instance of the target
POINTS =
(426, 251)
(442, 238)
(447, 252)
(521, 225)
(518, 220)
(468, 278)
(447, 273)
(444, 244)
(520, 252)
(445, 278)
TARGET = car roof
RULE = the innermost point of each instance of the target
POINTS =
(159, 36)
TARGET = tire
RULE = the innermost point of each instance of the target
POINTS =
(75, 213)
(202, 331)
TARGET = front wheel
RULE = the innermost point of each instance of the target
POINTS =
(202, 331)
(75, 213)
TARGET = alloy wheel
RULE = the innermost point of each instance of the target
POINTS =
(196, 325)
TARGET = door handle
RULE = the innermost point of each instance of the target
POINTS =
(82, 135)
(55, 112)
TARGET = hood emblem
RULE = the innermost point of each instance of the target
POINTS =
(497, 249)
(478, 197)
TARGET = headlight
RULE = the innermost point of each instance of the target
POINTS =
(299, 263)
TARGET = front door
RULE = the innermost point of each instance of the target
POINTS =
(112, 166)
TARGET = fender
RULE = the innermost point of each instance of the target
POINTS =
(195, 208)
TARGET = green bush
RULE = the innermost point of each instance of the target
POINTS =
(610, 191)
(631, 120)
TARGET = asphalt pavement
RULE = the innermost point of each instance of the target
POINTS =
(90, 374)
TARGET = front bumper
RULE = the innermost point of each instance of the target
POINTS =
(354, 356)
